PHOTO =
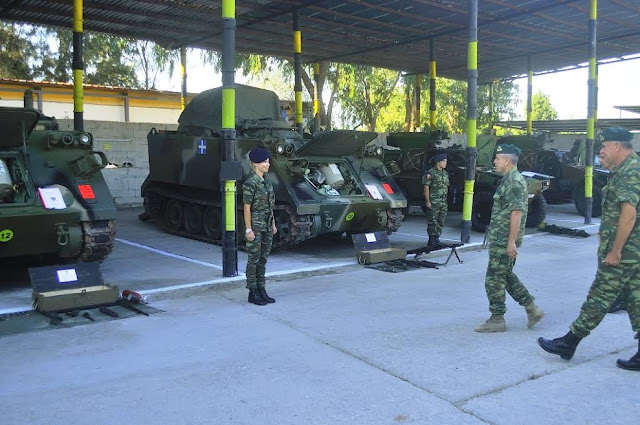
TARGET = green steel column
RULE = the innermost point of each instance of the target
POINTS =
(78, 67)
(472, 93)
(529, 98)
(183, 77)
(297, 66)
(230, 167)
(491, 107)
(591, 108)
(432, 86)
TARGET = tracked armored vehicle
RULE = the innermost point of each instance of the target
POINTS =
(413, 152)
(567, 168)
(55, 206)
(331, 182)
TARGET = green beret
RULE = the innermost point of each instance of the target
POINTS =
(616, 134)
(508, 149)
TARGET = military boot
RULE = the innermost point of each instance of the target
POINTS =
(265, 296)
(495, 323)
(564, 346)
(534, 314)
(256, 298)
(633, 363)
(432, 243)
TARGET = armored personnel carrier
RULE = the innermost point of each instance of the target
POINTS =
(54, 203)
(567, 168)
(413, 153)
(331, 182)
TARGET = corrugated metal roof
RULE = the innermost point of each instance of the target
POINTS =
(392, 34)
(573, 126)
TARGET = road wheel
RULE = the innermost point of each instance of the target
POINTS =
(581, 202)
(173, 215)
(212, 223)
(193, 218)
(154, 205)
(481, 213)
(283, 224)
(537, 212)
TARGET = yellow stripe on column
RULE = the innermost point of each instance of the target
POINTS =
(228, 9)
(298, 107)
(78, 91)
(229, 108)
(467, 200)
(77, 15)
(230, 205)
(432, 70)
(588, 181)
(297, 42)
(472, 55)
(471, 133)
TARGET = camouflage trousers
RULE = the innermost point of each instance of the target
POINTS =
(258, 251)
(435, 218)
(500, 278)
(610, 282)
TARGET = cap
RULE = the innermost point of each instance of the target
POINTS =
(508, 149)
(257, 155)
(440, 157)
(616, 134)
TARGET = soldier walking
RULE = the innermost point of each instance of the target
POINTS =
(258, 199)
(506, 229)
(618, 273)
(436, 187)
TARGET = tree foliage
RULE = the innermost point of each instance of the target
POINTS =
(541, 108)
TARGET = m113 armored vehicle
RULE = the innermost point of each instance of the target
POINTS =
(413, 153)
(330, 182)
(55, 206)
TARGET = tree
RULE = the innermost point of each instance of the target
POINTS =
(363, 92)
(541, 108)
(22, 54)
(153, 59)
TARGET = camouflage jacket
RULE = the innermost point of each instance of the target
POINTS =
(258, 192)
(438, 182)
(512, 195)
(623, 186)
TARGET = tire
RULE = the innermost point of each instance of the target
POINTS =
(537, 212)
(212, 223)
(581, 202)
(173, 215)
(193, 219)
(481, 212)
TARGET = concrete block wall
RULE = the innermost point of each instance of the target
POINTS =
(125, 145)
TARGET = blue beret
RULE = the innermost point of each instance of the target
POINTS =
(508, 149)
(440, 157)
(257, 155)
(616, 134)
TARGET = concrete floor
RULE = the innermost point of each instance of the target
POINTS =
(343, 344)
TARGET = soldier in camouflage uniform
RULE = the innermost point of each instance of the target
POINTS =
(436, 186)
(618, 271)
(258, 199)
(506, 229)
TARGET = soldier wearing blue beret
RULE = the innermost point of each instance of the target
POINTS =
(618, 274)
(436, 187)
(258, 199)
(506, 229)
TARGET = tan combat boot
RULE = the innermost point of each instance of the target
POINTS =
(534, 314)
(495, 323)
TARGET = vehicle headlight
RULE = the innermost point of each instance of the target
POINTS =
(67, 139)
(85, 139)
(379, 151)
(280, 149)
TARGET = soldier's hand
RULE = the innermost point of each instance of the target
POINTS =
(428, 204)
(274, 229)
(512, 250)
(612, 258)
(250, 236)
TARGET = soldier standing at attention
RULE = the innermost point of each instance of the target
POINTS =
(508, 217)
(618, 271)
(436, 187)
(258, 199)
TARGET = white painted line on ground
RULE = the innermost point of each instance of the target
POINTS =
(242, 277)
(22, 309)
(411, 234)
(169, 254)
(568, 221)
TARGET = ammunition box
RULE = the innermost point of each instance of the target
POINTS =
(75, 298)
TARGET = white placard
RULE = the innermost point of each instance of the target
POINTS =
(68, 275)
(334, 168)
(373, 191)
(52, 198)
(371, 237)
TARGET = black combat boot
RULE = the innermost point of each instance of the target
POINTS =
(564, 346)
(256, 298)
(439, 244)
(265, 296)
(633, 363)
(432, 243)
